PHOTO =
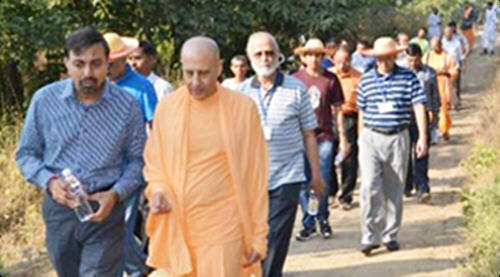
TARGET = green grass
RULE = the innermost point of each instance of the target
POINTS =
(21, 225)
(482, 194)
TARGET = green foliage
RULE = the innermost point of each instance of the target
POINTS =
(36, 30)
(482, 195)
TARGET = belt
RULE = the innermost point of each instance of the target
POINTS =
(390, 131)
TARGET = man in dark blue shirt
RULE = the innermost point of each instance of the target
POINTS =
(95, 129)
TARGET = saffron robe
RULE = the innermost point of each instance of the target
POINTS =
(175, 239)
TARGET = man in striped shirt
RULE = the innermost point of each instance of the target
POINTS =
(288, 122)
(96, 129)
(387, 95)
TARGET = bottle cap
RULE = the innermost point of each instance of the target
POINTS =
(66, 172)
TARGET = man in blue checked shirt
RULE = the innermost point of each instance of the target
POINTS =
(121, 73)
(94, 128)
(387, 95)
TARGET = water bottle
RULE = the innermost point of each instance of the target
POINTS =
(83, 209)
(313, 204)
(339, 158)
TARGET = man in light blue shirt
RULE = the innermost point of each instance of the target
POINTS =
(94, 128)
(360, 62)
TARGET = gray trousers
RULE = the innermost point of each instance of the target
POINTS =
(383, 161)
(83, 249)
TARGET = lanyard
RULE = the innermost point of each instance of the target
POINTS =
(269, 95)
(385, 85)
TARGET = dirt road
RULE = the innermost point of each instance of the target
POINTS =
(432, 235)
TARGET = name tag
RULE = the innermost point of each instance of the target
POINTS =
(386, 107)
(268, 132)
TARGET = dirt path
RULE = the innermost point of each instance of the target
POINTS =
(432, 235)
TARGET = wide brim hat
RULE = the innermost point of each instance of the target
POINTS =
(315, 46)
(120, 47)
(383, 47)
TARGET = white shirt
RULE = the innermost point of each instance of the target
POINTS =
(453, 47)
(231, 84)
(434, 25)
(162, 87)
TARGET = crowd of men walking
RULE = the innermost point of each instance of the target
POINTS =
(224, 167)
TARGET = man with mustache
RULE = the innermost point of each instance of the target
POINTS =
(206, 167)
(121, 73)
(91, 126)
(288, 122)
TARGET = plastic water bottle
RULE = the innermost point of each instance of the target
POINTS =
(313, 204)
(83, 209)
(339, 158)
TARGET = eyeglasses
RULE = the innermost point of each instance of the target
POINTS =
(269, 53)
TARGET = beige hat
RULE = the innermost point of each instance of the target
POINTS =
(313, 45)
(383, 47)
(120, 47)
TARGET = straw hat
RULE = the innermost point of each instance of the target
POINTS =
(120, 47)
(313, 45)
(383, 47)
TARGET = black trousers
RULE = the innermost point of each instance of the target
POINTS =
(283, 203)
(349, 172)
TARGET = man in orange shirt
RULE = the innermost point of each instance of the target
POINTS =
(349, 78)
(206, 168)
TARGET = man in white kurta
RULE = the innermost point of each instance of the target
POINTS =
(490, 28)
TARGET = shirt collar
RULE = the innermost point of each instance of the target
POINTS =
(394, 71)
(278, 81)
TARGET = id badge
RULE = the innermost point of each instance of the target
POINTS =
(268, 131)
(385, 107)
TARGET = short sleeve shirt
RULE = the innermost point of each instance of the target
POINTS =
(287, 110)
(141, 89)
(324, 91)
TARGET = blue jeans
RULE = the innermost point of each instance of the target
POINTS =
(135, 258)
(326, 153)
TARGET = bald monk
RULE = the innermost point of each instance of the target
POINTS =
(446, 68)
(206, 168)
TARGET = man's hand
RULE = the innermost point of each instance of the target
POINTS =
(107, 200)
(344, 146)
(251, 258)
(422, 147)
(317, 184)
(159, 204)
(61, 193)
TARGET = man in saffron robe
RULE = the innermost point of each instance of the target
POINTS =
(206, 168)
(446, 68)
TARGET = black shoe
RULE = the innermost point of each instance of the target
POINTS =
(408, 194)
(368, 248)
(346, 206)
(484, 52)
(306, 234)
(392, 246)
(492, 53)
(325, 230)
